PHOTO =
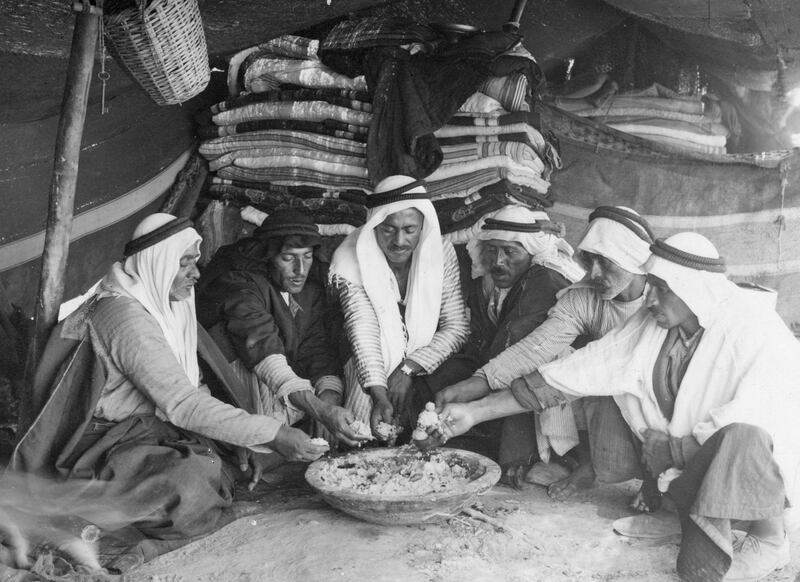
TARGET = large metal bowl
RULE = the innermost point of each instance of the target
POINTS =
(398, 509)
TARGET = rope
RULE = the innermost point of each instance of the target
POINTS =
(661, 249)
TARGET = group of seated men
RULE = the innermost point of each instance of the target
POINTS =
(687, 382)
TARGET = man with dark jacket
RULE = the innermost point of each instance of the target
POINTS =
(268, 319)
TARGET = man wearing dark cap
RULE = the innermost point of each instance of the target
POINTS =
(268, 319)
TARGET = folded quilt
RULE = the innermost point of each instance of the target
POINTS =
(622, 102)
(354, 196)
(287, 45)
(327, 127)
(214, 148)
(262, 72)
(493, 120)
(323, 176)
(543, 149)
(478, 105)
(526, 175)
(256, 216)
(639, 110)
(511, 91)
(358, 100)
(461, 139)
(683, 145)
(462, 185)
(517, 151)
(297, 110)
(677, 132)
(707, 127)
(287, 156)
(322, 210)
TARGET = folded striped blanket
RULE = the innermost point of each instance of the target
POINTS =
(289, 156)
(297, 110)
(683, 145)
(263, 72)
(649, 131)
(323, 176)
(255, 216)
(691, 112)
(358, 100)
(322, 210)
(521, 153)
(709, 126)
(330, 127)
(214, 148)
(462, 185)
(461, 139)
(354, 196)
(459, 126)
(511, 91)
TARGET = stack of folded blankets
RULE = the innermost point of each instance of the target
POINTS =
(658, 114)
(293, 133)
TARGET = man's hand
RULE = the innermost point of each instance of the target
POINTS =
(257, 463)
(456, 418)
(335, 418)
(382, 409)
(465, 391)
(338, 420)
(656, 454)
(296, 445)
(399, 385)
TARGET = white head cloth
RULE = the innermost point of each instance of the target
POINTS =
(616, 242)
(360, 261)
(147, 277)
(704, 292)
(545, 248)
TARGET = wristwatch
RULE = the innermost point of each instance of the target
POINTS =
(407, 370)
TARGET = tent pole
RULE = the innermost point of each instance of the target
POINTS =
(64, 180)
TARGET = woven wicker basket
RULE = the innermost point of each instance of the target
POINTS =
(162, 45)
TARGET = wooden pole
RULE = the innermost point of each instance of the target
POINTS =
(64, 181)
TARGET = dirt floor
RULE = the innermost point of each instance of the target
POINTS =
(298, 537)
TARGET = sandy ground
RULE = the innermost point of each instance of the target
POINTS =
(298, 537)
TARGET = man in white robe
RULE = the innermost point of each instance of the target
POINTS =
(706, 376)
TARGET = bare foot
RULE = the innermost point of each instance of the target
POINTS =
(648, 499)
(582, 477)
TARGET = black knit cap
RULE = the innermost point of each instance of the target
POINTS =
(631, 220)
(535, 226)
(154, 237)
(661, 249)
(289, 222)
(398, 194)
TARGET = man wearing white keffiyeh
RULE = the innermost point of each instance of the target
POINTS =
(706, 376)
(398, 284)
(613, 249)
(133, 415)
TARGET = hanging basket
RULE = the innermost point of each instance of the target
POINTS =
(161, 44)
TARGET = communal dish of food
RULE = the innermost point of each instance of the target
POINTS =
(409, 472)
